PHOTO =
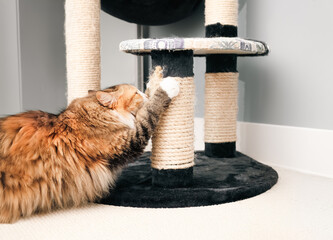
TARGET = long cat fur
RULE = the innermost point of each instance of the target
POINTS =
(55, 161)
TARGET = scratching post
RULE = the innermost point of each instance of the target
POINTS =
(221, 82)
(168, 177)
(82, 32)
(172, 156)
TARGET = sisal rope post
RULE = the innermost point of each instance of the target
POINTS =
(172, 158)
(172, 142)
(221, 82)
(82, 33)
(224, 12)
(221, 91)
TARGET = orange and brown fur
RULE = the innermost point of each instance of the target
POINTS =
(54, 161)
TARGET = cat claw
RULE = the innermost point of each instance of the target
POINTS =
(170, 86)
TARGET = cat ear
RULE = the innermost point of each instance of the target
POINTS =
(106, 99)
(91, 91)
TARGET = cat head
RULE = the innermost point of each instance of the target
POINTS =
(121, 98)
(117, 104)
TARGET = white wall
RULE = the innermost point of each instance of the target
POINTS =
(293, 85)
(117, 67)
(10, 101)
(43, 63)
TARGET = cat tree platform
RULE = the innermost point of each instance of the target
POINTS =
(199, 46)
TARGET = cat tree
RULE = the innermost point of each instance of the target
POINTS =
(173, 175)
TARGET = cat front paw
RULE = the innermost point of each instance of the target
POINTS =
(170, 86)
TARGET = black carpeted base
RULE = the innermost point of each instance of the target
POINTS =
(215, 181)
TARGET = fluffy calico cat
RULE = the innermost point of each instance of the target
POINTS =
(54, 161)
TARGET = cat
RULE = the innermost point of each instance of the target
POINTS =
(55, 161)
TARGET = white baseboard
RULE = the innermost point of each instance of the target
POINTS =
(303, 149)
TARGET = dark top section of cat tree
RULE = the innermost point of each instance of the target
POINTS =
(150, 12)
(219, 30)
(215, 181)
(174, 64)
